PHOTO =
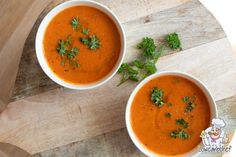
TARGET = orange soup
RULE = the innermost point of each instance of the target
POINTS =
(168, 115)
(81, 44)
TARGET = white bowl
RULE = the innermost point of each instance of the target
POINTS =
(40, 35)
(132, 135)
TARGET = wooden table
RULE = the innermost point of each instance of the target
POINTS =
(50, 121)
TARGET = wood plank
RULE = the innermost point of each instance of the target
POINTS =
(211, 63)
(62, 116)
(13, 47)
(9, 22)
(195, 25)
(129, 10)
(117, 143)
(28, 11)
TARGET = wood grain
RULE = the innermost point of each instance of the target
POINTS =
(19, 18)
(62, 116)
(117, 143)
(195, 25)
(59, 116)
(10, 52)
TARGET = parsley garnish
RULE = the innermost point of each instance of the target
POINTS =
(168, 114)
(137, 63)
(179, 134)
(173, 41)
(92, 42)
(182, 123)
(150, 67)
(148, 46)
(67, 52)
(189, 101)
(85, 31)
(145, 65)
(129, 73)
(190, 106)
(75, 23)
(186, 99)
(61, 48)
(157, 97)
(72, 53)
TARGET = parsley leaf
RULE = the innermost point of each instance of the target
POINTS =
(128, 73)
(150, 67)
(173, 41)
(61, 48)
(168, 114)
(157, 97)
(189, 101)
(123, 67)
(92, 42)
(75, 23)
(72, 53)
(182, 123)
(148, 46)
(190, 106)
(66, 52)
(186, 99)
(85, 31)
(137, 63)
(179, 134)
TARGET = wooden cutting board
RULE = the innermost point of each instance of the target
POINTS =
(48, 120)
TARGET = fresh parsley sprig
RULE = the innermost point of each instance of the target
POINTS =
(145, 65)
(179, 134)
(190, 103)
(173, 41)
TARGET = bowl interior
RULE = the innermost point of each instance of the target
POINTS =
(40, 35)
(141, 147)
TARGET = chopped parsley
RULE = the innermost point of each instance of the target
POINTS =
(148, 46)
(85, 31)
(145, 65)
(75, 23)
(157, 97)
(67, 52)
(72, 53)
(179, 134)
(190, 106)
(190, 103)
(182, 123)
(168, 115)
(186, 99)
(91, 42)
(173, 41)
(128, 73)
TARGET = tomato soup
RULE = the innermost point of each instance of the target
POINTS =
(168, 115)
(81, 62)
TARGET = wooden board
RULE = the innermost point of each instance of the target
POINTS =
(43, 116)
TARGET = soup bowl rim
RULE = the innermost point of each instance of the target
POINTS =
(213, 109)
(40, 35)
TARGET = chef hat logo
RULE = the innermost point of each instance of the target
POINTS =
(218, 123)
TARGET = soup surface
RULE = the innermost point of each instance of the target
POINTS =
(91, 65)
(159, 126)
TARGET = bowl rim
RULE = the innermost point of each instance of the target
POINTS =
(213, 108)
(40, 35)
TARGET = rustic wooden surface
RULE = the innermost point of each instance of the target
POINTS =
(51, 121)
